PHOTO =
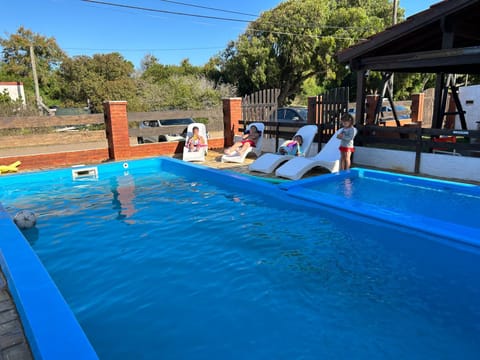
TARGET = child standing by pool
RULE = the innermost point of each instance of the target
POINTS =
(292, 147)
(346, 135)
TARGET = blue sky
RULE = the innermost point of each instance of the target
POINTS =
(85, 28)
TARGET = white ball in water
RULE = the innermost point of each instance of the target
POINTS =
(25, 219)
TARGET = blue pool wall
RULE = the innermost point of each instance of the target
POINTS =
(51, 327)
(465, 237)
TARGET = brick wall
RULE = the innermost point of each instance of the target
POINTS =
(63, 159)
(119, 148)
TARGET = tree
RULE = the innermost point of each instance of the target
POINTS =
(297, 40)
(182, 92)
(16, 65)
(97, 79)
(147, 61)
(159, 73)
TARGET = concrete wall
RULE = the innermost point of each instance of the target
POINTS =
(456, 167)
(385, 159)
(446, 166)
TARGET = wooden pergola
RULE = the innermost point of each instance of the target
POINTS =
(445, 40)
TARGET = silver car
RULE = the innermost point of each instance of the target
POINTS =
(164, 123)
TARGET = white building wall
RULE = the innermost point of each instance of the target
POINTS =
(14, 89)
(470, 100)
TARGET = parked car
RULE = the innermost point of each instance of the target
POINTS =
(403, 112)
(164, 123)
(295, 114)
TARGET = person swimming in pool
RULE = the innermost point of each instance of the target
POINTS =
(196, 140)
(292, 147)
(248, 140)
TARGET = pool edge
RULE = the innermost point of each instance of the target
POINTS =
(50, 326)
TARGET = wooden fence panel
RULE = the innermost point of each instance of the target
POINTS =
(214, 115)
(49, 121)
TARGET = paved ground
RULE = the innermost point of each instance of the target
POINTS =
(13, 345)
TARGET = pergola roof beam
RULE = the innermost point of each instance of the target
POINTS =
(461, 61)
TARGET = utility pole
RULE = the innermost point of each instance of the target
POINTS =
(395, 11)
(35, 81)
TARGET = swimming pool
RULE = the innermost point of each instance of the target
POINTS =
(437, 207)
(166, 260)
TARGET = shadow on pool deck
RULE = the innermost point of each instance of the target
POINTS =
(13, 344)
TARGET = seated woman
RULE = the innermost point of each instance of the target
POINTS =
(248, 140)
(292, 147)
(196, 141)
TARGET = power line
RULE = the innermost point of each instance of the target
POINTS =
(212, 17)
(149, 49)
(209, 8)
(165, 11)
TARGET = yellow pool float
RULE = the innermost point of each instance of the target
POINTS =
(10, 168)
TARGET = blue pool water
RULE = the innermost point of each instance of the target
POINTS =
(162, 265)
(444, 202)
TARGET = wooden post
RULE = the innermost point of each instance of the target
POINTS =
(418, 149)
(452, 108)
(418, 101)
(277, 130)
(360, 105)
(312, 115)
(372, 101)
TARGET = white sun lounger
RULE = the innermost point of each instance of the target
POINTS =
(202, 150)
(257, 150)
(328, 158)
(267, 163)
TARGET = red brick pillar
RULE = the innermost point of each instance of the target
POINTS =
(232, 115)
(418, 101)
(370, 108)
(116, 127)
